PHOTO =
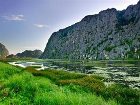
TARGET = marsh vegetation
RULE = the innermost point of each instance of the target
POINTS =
(58, 85)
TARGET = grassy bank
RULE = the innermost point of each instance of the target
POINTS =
(28, 86)
(19, 87)
(123, 95)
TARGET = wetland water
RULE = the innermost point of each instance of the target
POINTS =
(122, 72)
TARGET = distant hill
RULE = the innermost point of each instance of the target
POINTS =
(111, 34)
(3, 51)
(29, 53)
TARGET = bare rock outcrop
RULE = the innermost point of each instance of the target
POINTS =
(111, 34)
(3, 51)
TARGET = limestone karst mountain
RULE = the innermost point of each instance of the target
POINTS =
(29, 53)
(3, 51)
(111, 34)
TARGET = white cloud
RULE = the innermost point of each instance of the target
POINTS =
(122, 4)
(131, 1)
(14, 17)
(40, 25)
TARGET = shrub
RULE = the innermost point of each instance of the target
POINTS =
(109, 48)
(87, 82)
(55, 75)
(123, 95)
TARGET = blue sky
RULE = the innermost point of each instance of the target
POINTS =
(28, 24)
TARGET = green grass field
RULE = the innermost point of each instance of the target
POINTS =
(27, 86)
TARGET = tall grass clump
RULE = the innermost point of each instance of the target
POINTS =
(7, 70)
(19, 86)
(70, 98)
(123, 95)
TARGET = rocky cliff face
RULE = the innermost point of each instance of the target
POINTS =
(29, 53)
(3, 51)
(111, 34)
